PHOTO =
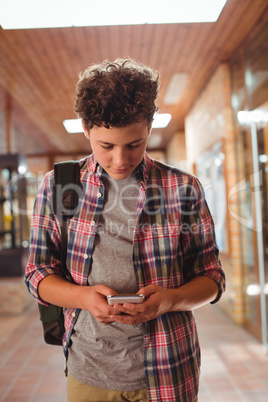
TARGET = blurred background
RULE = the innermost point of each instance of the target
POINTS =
(212, 121)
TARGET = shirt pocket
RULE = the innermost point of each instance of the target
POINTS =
(156, 248)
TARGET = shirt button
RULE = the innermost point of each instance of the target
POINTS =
(64, 343)
(73, 314)
(85, 256)
(99, 195)
(92, 223)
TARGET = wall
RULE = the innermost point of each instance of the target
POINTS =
(176, 151)
(209, 122)
(206, 123)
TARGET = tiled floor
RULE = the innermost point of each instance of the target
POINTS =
(234, 364)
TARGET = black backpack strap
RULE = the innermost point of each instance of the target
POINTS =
(66, 193)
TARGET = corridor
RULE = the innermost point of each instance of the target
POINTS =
(234, 364)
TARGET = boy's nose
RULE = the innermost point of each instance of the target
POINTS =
(120, 158)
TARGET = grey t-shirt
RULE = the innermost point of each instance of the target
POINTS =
(111, 356)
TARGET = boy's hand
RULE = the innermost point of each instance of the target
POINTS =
(96, 303)
(157, 303)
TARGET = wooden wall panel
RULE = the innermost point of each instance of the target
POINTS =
(39, 68)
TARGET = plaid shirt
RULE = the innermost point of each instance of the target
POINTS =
(173, 242)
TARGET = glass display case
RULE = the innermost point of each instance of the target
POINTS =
(210, 171)
(14, 226)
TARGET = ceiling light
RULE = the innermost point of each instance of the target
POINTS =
(253, 116)
(175, 88)
(255, 289)
(73, 126)
(20, 14)
(161, 120)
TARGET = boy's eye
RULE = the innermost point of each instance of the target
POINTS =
(111, 146)
(133, 146)
(106, 146)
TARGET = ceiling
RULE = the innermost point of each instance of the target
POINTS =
(39, 69)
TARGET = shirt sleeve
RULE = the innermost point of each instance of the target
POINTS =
(44, 251)
(198, 242)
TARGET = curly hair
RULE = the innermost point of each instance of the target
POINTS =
(116, 94)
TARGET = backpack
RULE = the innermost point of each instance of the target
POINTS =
(66, 192)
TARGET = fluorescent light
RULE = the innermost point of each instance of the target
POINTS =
(253, 116)
(175, 88)
(161, 120)
(73, 126)
(254, 289)
(20, 14)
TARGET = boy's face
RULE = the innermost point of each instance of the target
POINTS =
(119, 150)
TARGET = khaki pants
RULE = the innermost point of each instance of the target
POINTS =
(80, 392)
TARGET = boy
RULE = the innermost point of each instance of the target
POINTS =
(141, 227)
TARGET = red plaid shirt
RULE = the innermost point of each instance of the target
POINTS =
(173, 242)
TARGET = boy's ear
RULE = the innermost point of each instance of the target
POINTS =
(86, 132)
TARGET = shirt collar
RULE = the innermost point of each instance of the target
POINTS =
(93, 166)
(142, 171)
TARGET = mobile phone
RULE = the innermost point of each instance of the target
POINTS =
(127, 298)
